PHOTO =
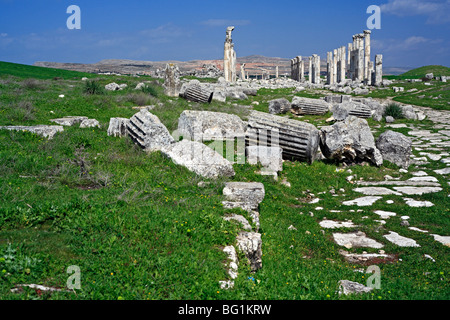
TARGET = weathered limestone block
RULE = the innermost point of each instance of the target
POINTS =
(118, 127)
(351, 141)
(279, 106)
(69, 121)
(172, 83)
(250, 244)
(349, 287)
(342, 110)
(199, 158)
(271, 158)
(146, 130)
(249, 192)
(298, 140)
(42, 130)
(207, 125)
(196, 93)
(90, 123)
(308, 106)
(395, 147)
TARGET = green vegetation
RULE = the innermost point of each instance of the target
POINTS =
(420, 73)
(25, 71)
(141, 227)
(394, 111)
(93, 87)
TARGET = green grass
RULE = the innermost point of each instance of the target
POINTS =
(26, 71)
(419, 73)
(140, 227)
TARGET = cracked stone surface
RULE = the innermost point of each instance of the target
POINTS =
(417, 204)
(376, 191)
(331, 224)
(400, 240)
(355, 240)
(417, 190)
(363, 201)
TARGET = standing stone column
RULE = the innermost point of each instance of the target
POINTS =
(360, 57)
(367, 56)
(378, 69)
(329, 69)
(229, 58)
(335, 66)
(302, 70)
(292, 69)
(350, 49)
(338, 66)
(243, 72)
(310, 70)
(343, 64)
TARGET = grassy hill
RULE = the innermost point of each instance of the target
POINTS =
(26, 71)
(419, 73)
(140, 227)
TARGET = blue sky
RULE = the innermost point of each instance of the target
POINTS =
(413, 32)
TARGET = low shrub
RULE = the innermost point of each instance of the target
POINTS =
(394, 110)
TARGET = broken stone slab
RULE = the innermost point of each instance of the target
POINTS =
(367, 258)
(90, 123)
(279, 106)
(395, 147)
(207, 125)
(240, 219)
(444, 240)
(355, 240)
(363, 201)
(147, 131)
(233, 261)
(270, 158)
(376, 191)
(18, 288)
(385, 214)
(401, 241)
(424, 178)
(195, 92)
(247, 192)
(331, 224)
(443, 171)
(397, 183)
(42, 130)
(198, 158)
(309, 106)
(347, 287)
(250, 244)
(417, 229)
(349, 141)
(118, 127)
(298, 140)
(69, 121)
(417, 204)
(417, 190)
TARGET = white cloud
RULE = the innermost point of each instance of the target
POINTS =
(437, 11)
(411, 43)
(224, 22)
(3, 34)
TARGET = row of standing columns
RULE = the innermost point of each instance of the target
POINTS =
(298, 69)
(354, 65)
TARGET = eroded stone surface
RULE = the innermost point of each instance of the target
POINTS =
(355, 240)
(363, 201)
(376, 191)
(349, 287)
(400, 240)
(417, 190)
(415, 203)
(331, 224)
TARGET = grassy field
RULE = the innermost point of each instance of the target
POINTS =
(140, 227)
(436, 95)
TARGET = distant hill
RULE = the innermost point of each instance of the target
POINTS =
(422, 71)
(26, 71)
